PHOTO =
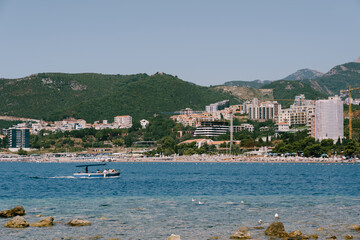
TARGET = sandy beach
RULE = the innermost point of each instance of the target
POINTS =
(192, 159)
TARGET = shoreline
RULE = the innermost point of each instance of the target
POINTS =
(178, 159)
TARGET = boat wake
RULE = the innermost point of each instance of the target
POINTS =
(72, 177)
(36, 177)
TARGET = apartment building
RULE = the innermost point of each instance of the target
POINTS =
(299, 113)
(329, 119)
(19, 138)
(263, 111)
(217, 106)
(124, 121)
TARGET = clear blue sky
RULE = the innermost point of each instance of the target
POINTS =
(202, 41)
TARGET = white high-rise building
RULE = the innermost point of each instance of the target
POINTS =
(329, 119)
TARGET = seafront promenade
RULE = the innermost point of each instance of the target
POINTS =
(172, 159)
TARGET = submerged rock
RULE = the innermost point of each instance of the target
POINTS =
(355, 227)
(174, 237)
(78, 222)
(17, 222)
(276, 229)
(295, 234)
(349, 237)
(241, 233)
(96, 237)
(46, 222)
(16, 211)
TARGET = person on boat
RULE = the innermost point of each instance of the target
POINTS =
(105, 171)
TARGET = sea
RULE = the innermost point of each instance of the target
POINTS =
(194, 200)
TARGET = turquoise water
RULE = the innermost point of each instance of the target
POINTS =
(154, 200)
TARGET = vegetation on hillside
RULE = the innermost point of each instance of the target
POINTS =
(6, 124)
(285, 89)
(338, 78)
(249, 84)
(53, 96)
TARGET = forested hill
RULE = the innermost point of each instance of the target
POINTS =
(53, 96)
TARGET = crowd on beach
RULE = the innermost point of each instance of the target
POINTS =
(193, 158)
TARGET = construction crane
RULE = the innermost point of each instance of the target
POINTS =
(350, 113)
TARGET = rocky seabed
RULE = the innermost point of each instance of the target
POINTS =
(275, 230)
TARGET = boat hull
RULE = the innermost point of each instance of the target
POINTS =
(97, 175)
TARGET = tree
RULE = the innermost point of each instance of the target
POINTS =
(22, 152)
(118, 141)
(235, 150)
(351, 148)
(313, 150)
(128, 141)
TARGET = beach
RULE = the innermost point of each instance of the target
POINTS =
(64, 158)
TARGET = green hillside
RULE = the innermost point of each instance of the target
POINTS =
(248, 84)
(338, 78)
(91, 96)
(288, 89)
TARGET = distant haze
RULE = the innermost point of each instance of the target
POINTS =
(206, 42)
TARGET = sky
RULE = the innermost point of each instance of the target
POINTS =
(206, 42)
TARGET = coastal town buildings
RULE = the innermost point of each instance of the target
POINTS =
(282, 127)
(355, 101)
(299, 113)
(214, 107)
(70, 124)
(124, 121)
(213, 129)
(329, 119)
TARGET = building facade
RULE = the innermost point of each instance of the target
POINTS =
(217, 106)
(263, 111)
(123, 121)
(300, 113)
(19, 138)
(329, 119)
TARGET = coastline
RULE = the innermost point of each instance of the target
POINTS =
(177, 159)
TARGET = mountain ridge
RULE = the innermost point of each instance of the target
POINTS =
(303, 74)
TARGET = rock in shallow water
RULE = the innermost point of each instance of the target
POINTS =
(355, 227)
(294, 234)
(17, 222)
(174, 237)
(241, 233)
(46, 222)
(276, 229)
(16, 211)
(78, 222)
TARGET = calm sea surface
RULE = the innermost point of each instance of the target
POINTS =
(154, 200)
